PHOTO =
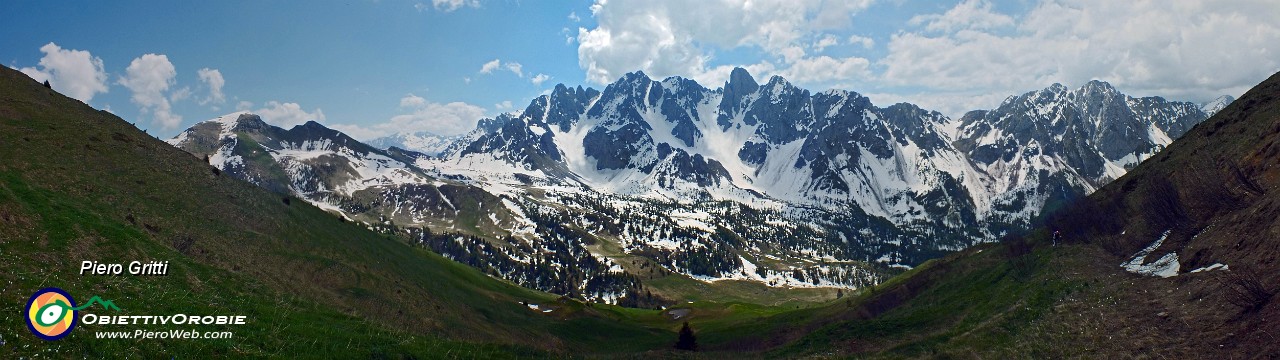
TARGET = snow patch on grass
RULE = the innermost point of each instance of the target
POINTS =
(1216, 266)
(1166, 266)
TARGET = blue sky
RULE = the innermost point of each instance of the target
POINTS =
(371, 68)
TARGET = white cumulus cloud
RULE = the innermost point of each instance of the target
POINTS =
(498, 64)
(489, 67)
(451, 5)
(824, 67)
(537, 80)
(969, 14)
(505, 105)
(515, 68)
(149, 77)
(422, 115)
(443, 119)
(866, 42)
(76, 73)
(180, 94)
(212, 78)
(288, 114)
(825, 41)
(412, 101)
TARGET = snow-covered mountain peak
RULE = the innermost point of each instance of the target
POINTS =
(217, 128)
(1213, 107)
(677, 171)
(422, 142)
(1050, 145)
(228, 121)
(1098, 87)
(779, 86)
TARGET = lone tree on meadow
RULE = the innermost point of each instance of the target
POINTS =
(46, 84)
(687, 341)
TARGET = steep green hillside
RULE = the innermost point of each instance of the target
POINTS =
(78, 184)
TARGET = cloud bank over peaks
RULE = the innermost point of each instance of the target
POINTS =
(420, 114)
(288, 114)
(1185, 50)
(954, 57)
(667, 38)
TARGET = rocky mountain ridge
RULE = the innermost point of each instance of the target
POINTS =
(760, 182)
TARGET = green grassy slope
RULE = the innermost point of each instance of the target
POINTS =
(78, 184)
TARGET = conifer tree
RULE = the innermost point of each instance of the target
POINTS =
(687, 341)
